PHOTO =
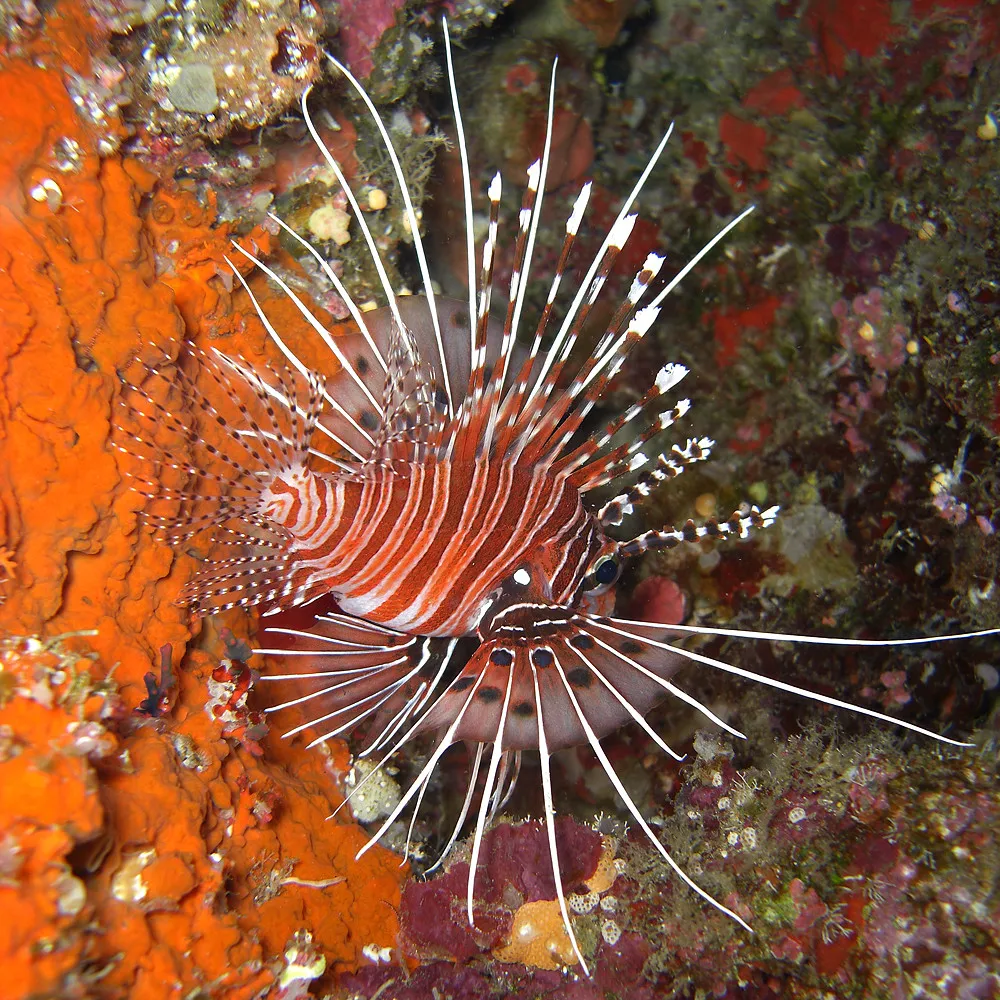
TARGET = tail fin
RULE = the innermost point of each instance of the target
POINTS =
(208, 455)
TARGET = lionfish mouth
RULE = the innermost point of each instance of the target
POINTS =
(439, 489)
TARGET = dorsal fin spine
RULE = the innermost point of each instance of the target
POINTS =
(530, 216)
(352, 200)
(352, 307)
(470, 242)
(595, 265)
(411, 214)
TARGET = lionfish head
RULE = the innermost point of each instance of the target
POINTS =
(442, 490)
(553, 578)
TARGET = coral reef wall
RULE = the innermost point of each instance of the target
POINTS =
(159, 839)
(155, 839)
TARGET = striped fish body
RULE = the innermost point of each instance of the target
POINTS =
(422, 552)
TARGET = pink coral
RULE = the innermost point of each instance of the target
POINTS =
(865, 329)
(362, 24)
(658, 599)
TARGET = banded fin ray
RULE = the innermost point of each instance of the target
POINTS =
(635, 670)
(342, 664)
(249, 563)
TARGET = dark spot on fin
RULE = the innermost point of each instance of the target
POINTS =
(542, 657)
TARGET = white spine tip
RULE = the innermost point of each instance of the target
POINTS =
(668, 376)
(579, 207)
(653, 263)
(622, 230)
(644, 319)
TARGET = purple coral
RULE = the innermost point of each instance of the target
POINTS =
(861, 255)
(514, 869)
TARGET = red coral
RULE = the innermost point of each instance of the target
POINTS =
(730, 327)
(862, 27)
(744, 141)
(603, 18)
(776, 94)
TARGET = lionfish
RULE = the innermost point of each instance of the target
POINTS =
(438, 489)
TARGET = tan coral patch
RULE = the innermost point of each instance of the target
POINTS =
(538, 937)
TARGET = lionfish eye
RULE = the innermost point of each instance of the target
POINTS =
(603, 573)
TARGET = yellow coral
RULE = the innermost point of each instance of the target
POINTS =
(538, 937)
(606, 872)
